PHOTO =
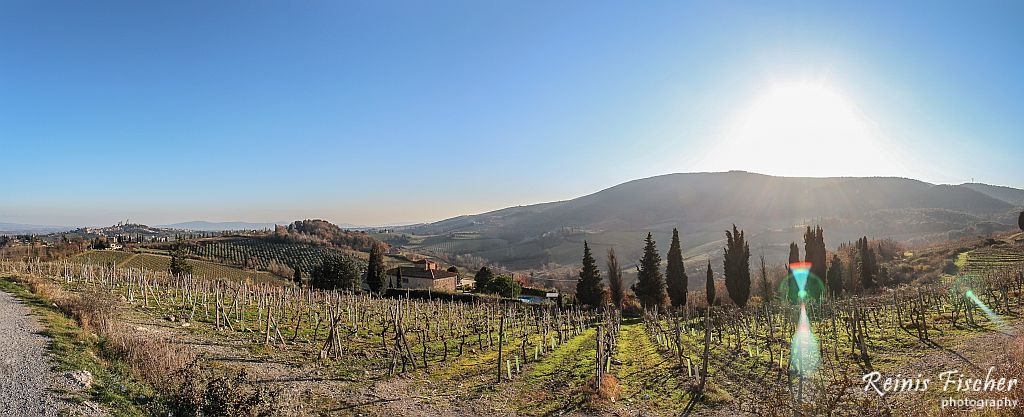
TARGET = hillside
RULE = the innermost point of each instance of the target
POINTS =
(1008, 194)
(702, 205)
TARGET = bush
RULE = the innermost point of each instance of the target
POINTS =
(336, 272)
(950, 268)
(504, 286)
(534, 291)
(204, 392)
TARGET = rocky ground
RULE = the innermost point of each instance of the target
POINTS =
(28, 385)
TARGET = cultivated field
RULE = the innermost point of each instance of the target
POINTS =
(154, 262)
(260, 253)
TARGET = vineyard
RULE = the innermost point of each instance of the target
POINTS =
(161, 263)
(260, 253)
(991, 258)
(539, 360)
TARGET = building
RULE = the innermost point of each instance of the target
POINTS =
(424, 274)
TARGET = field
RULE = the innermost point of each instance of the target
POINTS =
(340, 353)
(155, 262)
(260, 253)
(992, 258)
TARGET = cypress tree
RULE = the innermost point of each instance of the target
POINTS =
(766, 291)
(375, 270)
(615, 285)
(835, 277)
(650, 285)
(792, 290)
(589, 288)
(794, 253)
(1020, 220)
(867, 266)
(737, 266)
(814, 252)
(675, 272)
(709, 285)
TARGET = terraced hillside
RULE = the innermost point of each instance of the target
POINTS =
(994, 257)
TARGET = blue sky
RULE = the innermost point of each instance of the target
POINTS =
(379, 112)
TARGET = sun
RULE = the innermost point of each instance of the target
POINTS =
(803, 128)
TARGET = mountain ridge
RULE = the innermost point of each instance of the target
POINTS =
(702, 205)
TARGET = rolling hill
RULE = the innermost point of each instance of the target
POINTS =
(772, 209)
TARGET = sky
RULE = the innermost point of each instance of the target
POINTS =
(383, 112)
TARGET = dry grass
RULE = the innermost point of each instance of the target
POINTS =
(609, 391)
(152, 359)
(172, 369)
(1011, 366)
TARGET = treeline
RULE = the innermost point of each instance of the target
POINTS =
(322, 232)
(32, 247)
(854, 267)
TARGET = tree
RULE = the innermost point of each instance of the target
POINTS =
(675, 272)
(503, 285)
(453, 269)
(766, 291)
(709, 285)
(179, 266)
(737, 266)
(335, 273)
(1020, 220)
(835, 277)
(589, 288)
(615, 285)
(375, 269)
(867, 266)
(814, 253)
(792, 290)
(650, 285)
(482, 277)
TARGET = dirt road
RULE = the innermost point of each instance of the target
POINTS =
(25, 371)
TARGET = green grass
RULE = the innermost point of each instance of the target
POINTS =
(647, 379)
(157, 262)
(72, 348)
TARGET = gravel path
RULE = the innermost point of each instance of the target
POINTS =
(25, 371)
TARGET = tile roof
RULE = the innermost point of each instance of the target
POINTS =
(416, 272)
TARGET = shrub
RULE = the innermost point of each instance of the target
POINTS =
(205, 392)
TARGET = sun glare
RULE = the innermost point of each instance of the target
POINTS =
(804, 118)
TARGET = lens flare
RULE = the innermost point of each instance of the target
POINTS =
(992, 317)
(805, 355)
(800, 271)
(967, 281)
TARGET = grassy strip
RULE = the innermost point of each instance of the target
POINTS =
(648, 380)
(72, 348)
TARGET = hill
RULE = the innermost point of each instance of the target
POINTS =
(1010, 195)
(772, 209)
